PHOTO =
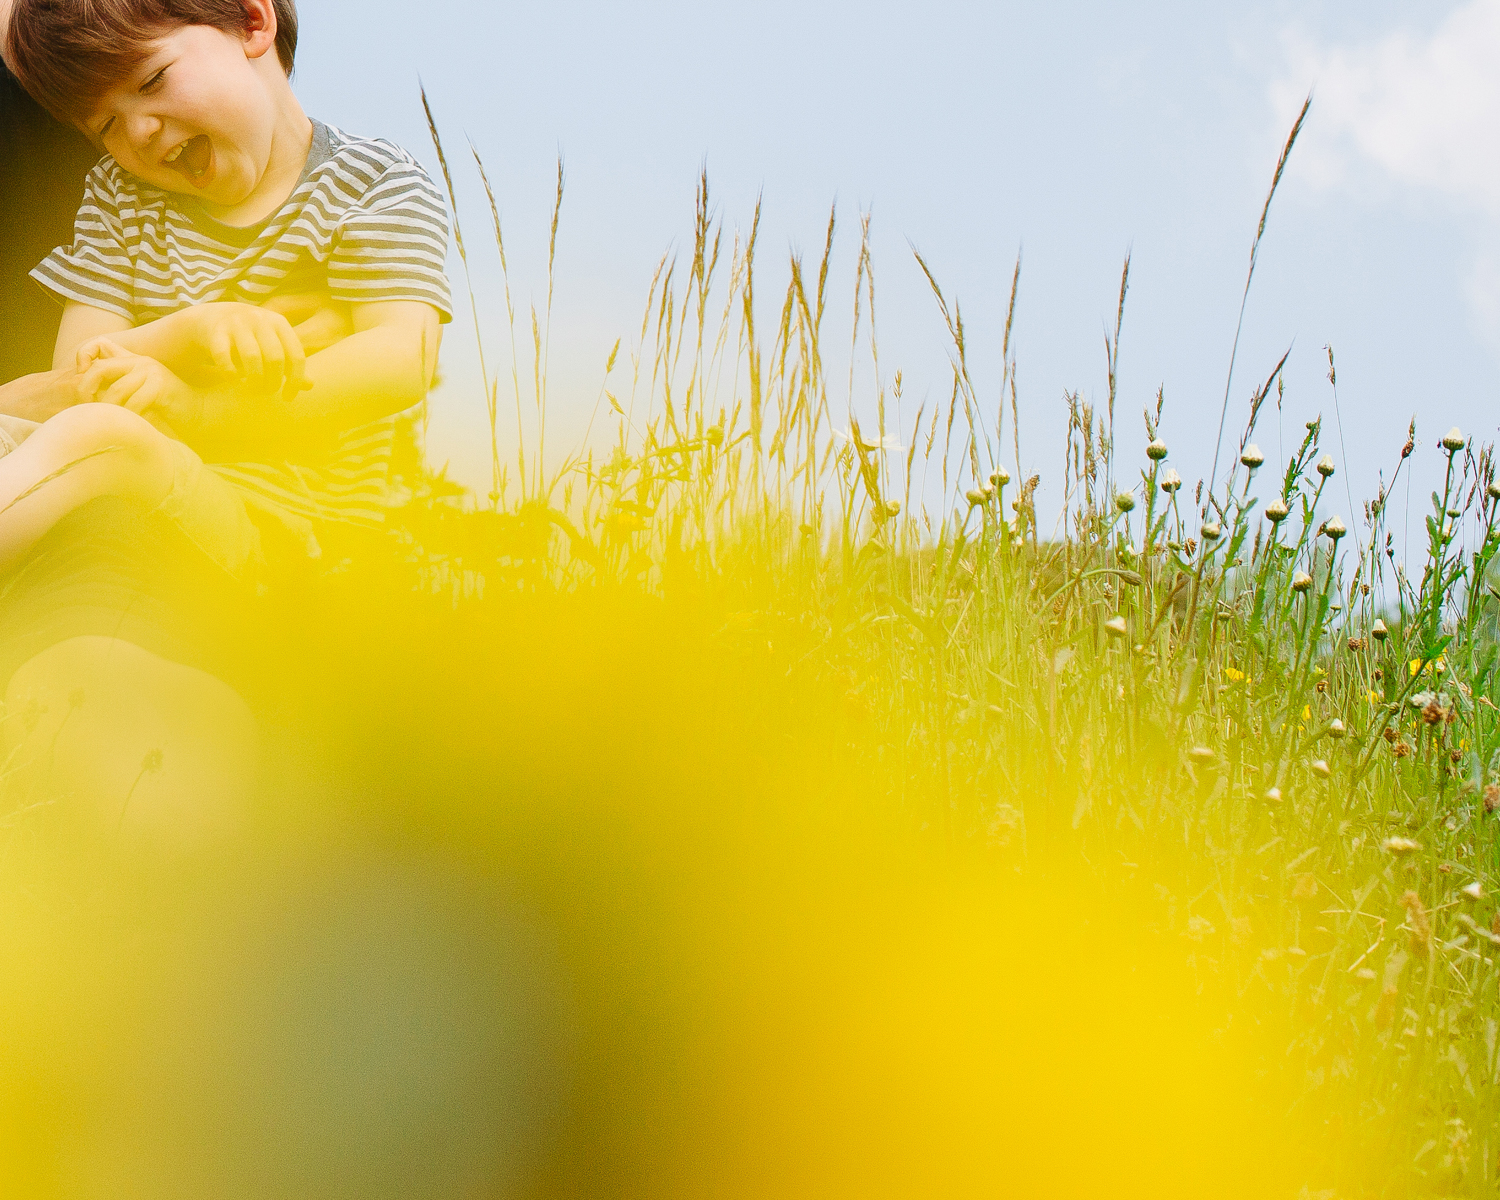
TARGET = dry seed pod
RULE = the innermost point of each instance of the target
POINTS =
(1115, 627)
(1453, 440)
(1320, 768)
(1125, 502)
(1301, 581)
(1156, 450)
(1171, 481)
(1326, 466)
(1491, 797)
(1276, 511)
(1378, 631)
(1252, 457)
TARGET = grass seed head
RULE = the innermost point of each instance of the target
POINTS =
(1326, 466)
(1171, 481)
(1420, 923)
(1276, 511)
(1400, 846)
(1301, 581)
(1378, 631)
(1321, 769)
(1252, 457)
(1115, 627)
(1156, 450)
(1453, 440)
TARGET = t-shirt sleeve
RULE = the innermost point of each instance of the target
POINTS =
(393, 243)
(96, 269)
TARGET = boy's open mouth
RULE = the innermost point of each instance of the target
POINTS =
(192, 159)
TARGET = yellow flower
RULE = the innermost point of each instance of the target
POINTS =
(1231, 674)
(1307, 712)
(1440, 666)
(1374, 699)
(1416, 665)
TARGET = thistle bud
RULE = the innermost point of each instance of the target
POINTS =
(1201, 754)
(1125, 502)
(1336, 728)
(1326, 466)
(1273, 795)
(1493, 491)
(1115, 627)
(975, 497)
(1276, 511)
(1320, 768)
(1378, 631)
(1252, 457)
(1474, 891)
(1000, 477)
(1333, 528)
(1156, 450)
(1170, 482)
(892, 508)
(1400, 846)
(1210, 532)
(1453, 440)
(1301, 581)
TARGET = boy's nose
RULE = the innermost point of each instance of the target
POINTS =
(140, 128)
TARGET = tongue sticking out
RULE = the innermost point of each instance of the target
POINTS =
(194, 161)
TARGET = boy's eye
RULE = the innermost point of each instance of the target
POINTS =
(105, 128)
(154, 80)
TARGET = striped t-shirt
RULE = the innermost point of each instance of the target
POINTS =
(364, 224)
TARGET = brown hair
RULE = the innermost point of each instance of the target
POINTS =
(69, 53)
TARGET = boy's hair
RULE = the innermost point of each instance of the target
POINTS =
(69, 53)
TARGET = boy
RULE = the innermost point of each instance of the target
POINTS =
(216, 194)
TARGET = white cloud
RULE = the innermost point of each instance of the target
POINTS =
(1422, 109)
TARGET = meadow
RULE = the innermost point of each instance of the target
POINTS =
(880, 844)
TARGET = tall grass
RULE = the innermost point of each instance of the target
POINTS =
(1227, 698)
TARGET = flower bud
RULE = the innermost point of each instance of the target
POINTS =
(975, 497)
(1210, 532)
(1378, 631)
(1474, 891)
(1201, 754)
(1336, 728)
(1453, 440)
(1000, 478)
(1301, 581)
(1276, 511)
(1320, 768)
(1400, 846)
(1334, 529)
(1125, 502)
(1493, 491)
(1252, 457)
(1115, 627)
(1326, 466)
(1156, 450)
(1273, 795)
(892, 508)
(1170, 482)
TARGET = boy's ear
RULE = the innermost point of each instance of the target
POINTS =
(260, 27)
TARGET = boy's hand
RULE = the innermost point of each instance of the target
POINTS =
(143, 385)
(317, 319)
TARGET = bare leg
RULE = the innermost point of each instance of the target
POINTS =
(114, 721)
(83, 452)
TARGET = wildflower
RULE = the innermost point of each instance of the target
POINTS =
(1252, 457)
(1326, 466)
(1201, 754)
(1156, 450)
(1473, 891)
(1420, 923)
(1115, 627)
(1210, 532)
(1333, 528)
(1233, 674)
(1378, 631)
(1321, 769)
(1356, 645)
(1433, 714)
(1273, 794)
(1276, 511)
(1171, 481)
(1301, 581)
(1306, 887)
(1401, 749)
(1336, 728)
(1191, 547)
(1000, 477)
(1400, 846)
(1453, 440)
(1492, 797)
(1124, 502)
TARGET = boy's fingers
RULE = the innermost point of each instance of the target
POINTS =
(124, 387)
(295, 362)
(221, 350)
(103, 373)
(247, 350)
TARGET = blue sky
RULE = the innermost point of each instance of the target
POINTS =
(1074, 131)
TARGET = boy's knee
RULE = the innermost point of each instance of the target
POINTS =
(104, 423)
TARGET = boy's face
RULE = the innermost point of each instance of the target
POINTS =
(195, 116)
